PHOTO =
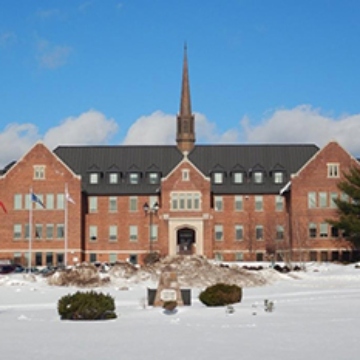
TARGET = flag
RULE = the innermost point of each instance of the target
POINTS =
(69, 198)
(34, 198)
(3, 206)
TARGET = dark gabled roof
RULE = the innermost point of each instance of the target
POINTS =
(289, 158)
(123, 158)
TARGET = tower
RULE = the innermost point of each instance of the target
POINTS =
(185, 134)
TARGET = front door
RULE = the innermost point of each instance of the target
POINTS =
(185, 241)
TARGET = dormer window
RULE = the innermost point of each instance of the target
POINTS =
(153, 178)
(238, 177)
(258, 177)
(278, 177)
(94, 178)
(218, 178)
(113, 178)
(134, 178)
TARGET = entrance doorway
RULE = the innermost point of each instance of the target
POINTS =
(185, 241)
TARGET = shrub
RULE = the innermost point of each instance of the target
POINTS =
(151, 258)
(170, 305)
(86, 306)
(221, 294)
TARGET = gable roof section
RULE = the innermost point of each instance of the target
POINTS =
(123, 158)
(290, 157)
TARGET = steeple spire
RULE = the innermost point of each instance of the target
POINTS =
(185, 136)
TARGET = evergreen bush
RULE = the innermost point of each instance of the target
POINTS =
(170, 305)
(86, 306)
(221, 294)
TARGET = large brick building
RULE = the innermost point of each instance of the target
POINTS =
(228, 202)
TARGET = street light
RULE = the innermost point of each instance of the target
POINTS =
(150, 210)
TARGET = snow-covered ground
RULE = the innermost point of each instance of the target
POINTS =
(316, 316)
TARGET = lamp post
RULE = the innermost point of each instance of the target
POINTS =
(150, 210)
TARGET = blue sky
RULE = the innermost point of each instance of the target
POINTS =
(109, 71)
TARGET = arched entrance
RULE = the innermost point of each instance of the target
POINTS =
(185, 241)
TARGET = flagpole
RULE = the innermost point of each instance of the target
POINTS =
(30, 231)
(66, 225)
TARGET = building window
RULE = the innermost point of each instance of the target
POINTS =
(312, 200)
(38, 259)
(153, 178)
(113, 178)
(94, 178)
(112, 258)
(218, 256)
(133, 178)
(39, 172)
(92, 257)
(219, 233)
(50, 201)
(238, 177)
(239, 256)
(239, 203)
(333, 197)
(185, 201)
(133, 259)
(259, 203)
(112, 204)
(259, 256)
(259, 232)
(133, 233)
(27, 201)
(49, 231)
(27, 231)
(60, 198)
(278, 177)
(93, 204)
(312, 230)
(60, 231)
(93, 232)
(279, 203)
(333, 170)
(218, 203)
(17, 202)
(49, 259)
(323, 230)
(334, 232)
(153, 232)
(113, 233)
(218, 178)
(37, 204)
(133, 203)
(185, 175)
(17, 231)
(239, 232)
(279, 232)
(322, 199)
(258, 177)
(38, 231)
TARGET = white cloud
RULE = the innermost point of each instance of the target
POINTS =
(90, 128)
(156, 128)
(304, 124)
(160, 128)
(52, 56)
(15, 141)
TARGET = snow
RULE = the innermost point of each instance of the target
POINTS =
(316, 316)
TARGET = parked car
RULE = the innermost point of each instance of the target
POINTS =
(7, 269)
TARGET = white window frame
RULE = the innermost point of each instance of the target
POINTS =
(312, 200)
(258, 177)
(239, 230)
(113, 233)
(259, 232)
(278, 177)
(239, 203)
(133, 233)
(113, 178)
(333, 170)
(238, 177)
(279, 203)
(218, 203)
(185, 175)
(94, 178)
(17, 201)
(93, 233)
(218, 177)
(93, 204)
(323, 201)
(259, 203)
(113, 204)
(39, 172)
(219, 232)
